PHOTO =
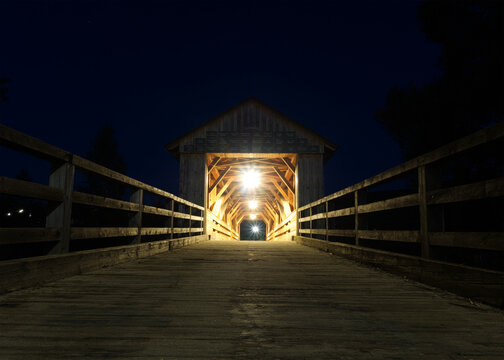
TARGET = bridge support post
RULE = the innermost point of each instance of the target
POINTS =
(136, 219)
(422, 202)
(62, 177)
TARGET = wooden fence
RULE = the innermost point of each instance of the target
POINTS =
(322, 219)
(180, 217)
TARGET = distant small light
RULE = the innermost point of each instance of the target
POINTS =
(252, 204)
(29, 215)
(21, 211)
(253, 216)
(255, 229)
(9, 214)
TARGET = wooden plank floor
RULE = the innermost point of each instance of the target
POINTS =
(245, 300)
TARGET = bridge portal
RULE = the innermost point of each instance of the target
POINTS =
(251, 162)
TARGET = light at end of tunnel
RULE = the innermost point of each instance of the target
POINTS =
(253, 216)
(252, 204)
(251, 179)
(255, 229)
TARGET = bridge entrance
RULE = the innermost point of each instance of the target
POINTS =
(251, 163)
(255, 187)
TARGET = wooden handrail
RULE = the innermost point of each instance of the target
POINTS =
(422, 200)
(60, 191)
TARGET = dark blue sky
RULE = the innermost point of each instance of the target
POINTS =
(157, 69)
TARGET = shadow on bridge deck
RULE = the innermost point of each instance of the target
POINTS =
(254, 300)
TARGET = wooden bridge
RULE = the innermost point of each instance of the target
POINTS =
(402, 273)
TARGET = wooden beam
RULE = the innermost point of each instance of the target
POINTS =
(289, 165)
(285, 181)
(219, 179)
(213, 164)
(282, 192)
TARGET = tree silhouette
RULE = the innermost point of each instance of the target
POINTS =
(104, 151)
(468, 95)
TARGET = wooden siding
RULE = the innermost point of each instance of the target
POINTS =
(251, 128)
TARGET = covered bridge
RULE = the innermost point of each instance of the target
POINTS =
(251, 162)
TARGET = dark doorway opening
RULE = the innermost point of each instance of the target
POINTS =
(253, 230)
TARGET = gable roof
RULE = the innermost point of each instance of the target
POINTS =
(329, 146)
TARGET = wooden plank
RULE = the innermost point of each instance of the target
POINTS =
(389, 204)
(187, 230)
(19, 141)
(279, 188)
(28, 272)
(411, 236)
(483, 136)
(101, 201)
(136, 219)
(102, 232)
(62, 177)
(291, 167)
(213, 164)
(28, 235)
(156, 211)
(330, 214)
(219, 179)
(29, 189)
(422, 200)
(86, 165)
(482, 284)
(474, 191)
(180, 215)
(472, 240)
(284, 180)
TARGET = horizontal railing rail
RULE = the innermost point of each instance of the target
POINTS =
(322, 219)
(180, 217)
(216, 225)
(283, 228)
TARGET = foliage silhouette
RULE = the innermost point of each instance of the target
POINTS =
(468, 94)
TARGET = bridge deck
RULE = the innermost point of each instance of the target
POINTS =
(254, 300)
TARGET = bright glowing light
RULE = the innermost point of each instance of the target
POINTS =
(252, 204)
(9, 214)
(251, 179)
(255, 229)
(20, 211)
(253, 216)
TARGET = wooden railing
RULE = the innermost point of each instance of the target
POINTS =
(218, 229)
(322, 219)
(285, 230)
(180, 217)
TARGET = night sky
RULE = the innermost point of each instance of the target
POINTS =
(157, 69)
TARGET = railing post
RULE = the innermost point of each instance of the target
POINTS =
(327, 220)
(422, 203)
(172, 217)
(356, 213)
(136, 220)
(62, 177)
(311, 223)
(190, 220)
(298, 216)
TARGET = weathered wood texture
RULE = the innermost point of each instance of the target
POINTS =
(60, 191)
(480, 284)
(193, 178)
(423, 199)
(245, 300)
(29, 272)
(219, 230)
(285, 230)
(251, 127)
(310, 178)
